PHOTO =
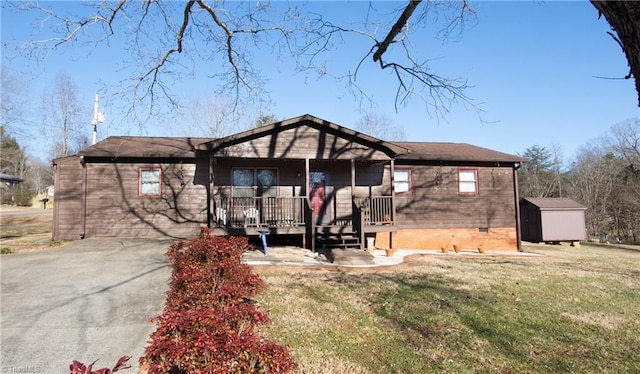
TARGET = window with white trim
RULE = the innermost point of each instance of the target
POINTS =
(149, 181)
(402, 181)
(468, 181)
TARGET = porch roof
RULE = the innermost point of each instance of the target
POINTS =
(390, 148)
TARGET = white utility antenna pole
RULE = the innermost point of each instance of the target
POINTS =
(98, 117)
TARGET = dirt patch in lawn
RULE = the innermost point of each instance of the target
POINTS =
(26, 233)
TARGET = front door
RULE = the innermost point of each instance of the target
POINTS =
(320, 197)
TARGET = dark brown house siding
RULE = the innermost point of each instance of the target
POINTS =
(108, 194)
(68, 194)
(118, 210)
(301, 143)
(435, 200)
(435, 214)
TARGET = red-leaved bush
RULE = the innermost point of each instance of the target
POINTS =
(210, 266)
(77, 367)
(209, 321)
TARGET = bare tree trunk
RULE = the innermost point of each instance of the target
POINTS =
(624, 18)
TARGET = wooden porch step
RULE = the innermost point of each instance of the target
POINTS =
(338, 241)
(343, 245)
(336, 237)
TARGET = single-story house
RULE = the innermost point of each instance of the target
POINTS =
(303, 178)
(9, 180)
(8, 184)
(552, 220)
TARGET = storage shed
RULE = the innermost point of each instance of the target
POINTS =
(552, 220)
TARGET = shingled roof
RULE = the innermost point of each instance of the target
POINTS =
(554, 203)
(141, 146)
(391, 148)
(427, 151)
(186, 147)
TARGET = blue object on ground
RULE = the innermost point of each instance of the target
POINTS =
(263, 235)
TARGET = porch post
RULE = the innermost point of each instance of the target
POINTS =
(311, 229)
(306, 178)
(393, 200)
(393, 191)
(359, 224)
(353, 178)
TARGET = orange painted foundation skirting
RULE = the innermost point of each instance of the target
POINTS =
(496, 239)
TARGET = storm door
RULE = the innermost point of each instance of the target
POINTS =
(320, 197)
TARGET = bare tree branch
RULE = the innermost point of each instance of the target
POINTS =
(177, 49)
(232, 32)
(114, 14)
(395, 30)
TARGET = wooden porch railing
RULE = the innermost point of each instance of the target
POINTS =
(376, 210)
(260, 211)
(370, 211)
(236, 212)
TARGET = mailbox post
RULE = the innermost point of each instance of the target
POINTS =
(44, 202)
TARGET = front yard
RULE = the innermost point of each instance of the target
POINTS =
(570, 310)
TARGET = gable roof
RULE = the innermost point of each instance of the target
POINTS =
(186, 147)
(391, 149)
(426, 151)
(554, 203)
(142, 146)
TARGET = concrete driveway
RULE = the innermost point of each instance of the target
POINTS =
(90, 299)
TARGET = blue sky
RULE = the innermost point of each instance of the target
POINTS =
(533, 68)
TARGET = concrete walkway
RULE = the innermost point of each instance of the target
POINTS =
(296, 256)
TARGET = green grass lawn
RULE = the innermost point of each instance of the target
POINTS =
(568, 310)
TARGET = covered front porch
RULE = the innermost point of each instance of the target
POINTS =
(303, 176)
(297, 215)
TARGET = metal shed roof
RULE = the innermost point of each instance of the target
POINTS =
(555, 203)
